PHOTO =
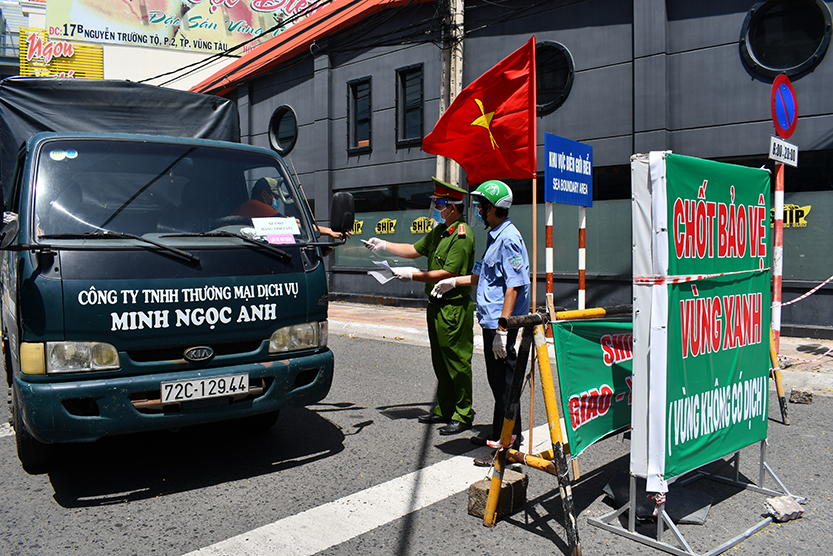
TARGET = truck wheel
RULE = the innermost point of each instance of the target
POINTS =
(264, 421)
(33, 455)
(7, 360)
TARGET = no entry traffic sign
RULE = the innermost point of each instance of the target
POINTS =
(784, 107)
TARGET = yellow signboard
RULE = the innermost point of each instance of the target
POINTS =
(42, 57)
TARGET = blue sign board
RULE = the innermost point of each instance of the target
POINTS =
(569, 171)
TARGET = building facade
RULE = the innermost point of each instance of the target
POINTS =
(348, 95)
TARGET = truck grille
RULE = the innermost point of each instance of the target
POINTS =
(175, 353)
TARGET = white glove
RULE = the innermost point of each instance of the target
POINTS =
(499, 344)
(405, 273)
(376, 244)
(443, 286)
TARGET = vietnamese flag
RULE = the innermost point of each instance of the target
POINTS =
(489, 129)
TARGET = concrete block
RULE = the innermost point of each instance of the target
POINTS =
(512, 494)
(783, 508)
(800, 394)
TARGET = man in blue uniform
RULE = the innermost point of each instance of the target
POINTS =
(502, 280)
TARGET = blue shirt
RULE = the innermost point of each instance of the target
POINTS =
(505, 264)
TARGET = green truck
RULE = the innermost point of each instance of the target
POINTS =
(134, 295)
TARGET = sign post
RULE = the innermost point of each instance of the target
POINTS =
(784, 117)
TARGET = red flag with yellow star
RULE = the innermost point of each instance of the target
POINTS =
(489, 129)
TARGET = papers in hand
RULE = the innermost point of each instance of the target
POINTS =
(384, 274)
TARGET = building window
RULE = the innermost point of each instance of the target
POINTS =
(358, 115)
(554, 75)
(283, 130)
(785, 36)
(409, 106)
(406, 196)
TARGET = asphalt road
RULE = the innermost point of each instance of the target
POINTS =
(175, 493)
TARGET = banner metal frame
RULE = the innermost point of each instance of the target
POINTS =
(610, 521)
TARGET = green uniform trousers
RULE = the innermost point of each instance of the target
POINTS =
(451, 333)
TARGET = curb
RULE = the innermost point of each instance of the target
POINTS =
(407, 325)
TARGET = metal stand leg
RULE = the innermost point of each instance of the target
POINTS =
(610, 521)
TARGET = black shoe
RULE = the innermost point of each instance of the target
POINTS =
(480, 440)
(485, 461)
(432, 418)
(453, 428)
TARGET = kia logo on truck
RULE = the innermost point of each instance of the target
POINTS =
(199, 353)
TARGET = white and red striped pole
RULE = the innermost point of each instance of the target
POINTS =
(550, 256)
(548, 245)
(582, 258)
(778, 255)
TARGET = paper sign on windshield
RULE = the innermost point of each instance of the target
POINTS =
(277, 229)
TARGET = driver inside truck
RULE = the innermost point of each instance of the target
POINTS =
(265, 201)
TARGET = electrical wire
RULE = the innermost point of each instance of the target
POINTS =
(228, 52)
(361, 36)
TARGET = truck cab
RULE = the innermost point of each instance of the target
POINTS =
(136, 297)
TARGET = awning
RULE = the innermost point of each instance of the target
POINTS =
(338, 15)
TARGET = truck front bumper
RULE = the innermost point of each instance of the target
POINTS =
(89, 409)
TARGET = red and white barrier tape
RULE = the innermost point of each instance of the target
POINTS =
(806, 295)
(822, 356)
(659, 498)
(681, 279)
(498, 446)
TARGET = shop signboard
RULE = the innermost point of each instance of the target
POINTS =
(594, 362)
(210, 26)
(42, 57)
(702, 312)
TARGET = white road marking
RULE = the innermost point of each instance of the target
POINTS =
(331, 524)
(6, 430)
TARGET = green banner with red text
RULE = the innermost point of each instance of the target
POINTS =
(594, 363)
(706, 351)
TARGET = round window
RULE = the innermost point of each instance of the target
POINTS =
(283, 129)
(785, 36)
(554, 74)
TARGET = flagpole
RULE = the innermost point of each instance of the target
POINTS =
(533, 144)
(534, 241)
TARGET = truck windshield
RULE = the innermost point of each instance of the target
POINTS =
(164, 189)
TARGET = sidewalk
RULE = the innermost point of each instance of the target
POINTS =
(799, 357)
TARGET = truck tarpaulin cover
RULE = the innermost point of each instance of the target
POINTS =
(29, 105)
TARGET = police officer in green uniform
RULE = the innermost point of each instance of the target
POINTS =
(449, 248)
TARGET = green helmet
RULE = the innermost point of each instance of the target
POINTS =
(496, 192)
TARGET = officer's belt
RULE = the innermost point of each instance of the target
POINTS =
(442, 302)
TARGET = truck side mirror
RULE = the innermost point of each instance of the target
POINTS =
(10, 229)
(342, 212)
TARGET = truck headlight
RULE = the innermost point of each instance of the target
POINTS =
(75, 357)
(299, 336)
